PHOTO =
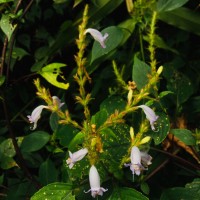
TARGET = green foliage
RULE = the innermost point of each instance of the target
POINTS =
(154, 46)
(54, 191)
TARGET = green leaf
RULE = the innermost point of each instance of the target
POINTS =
(77, 140)
(48, 172)
(184, 135)
(113, 103)
(182, 18)
(160, 43)
(5, 1)
(115, 140)
(35, 141)
(54, 118)
(127, 194)
(66, 134)
(168, 5)
(164, 93)
(114, 39)
(51, 73)
(99, 118)
(7, 163)
(163, 126)
(179, 84)
(139, 73)
(55, 191)
(6, 26)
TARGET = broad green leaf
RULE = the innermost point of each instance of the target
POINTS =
(115, 140)
(168, 5)
(99, 118)
(112, 104)
(139, 73)
(66, 134)
(127, 194)
(35, 141)
(19, 53)
(162, 125)
(114, 39)
(182, 18)
(51, 73)
(6, 26)
(55, 191)
(145, 188)
(184, 135)
(48, 172)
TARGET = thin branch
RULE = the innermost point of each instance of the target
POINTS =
(20, 161)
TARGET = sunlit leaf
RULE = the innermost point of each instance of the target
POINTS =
(55, 191)
(6, 26)
(5, 1)
(51, 73)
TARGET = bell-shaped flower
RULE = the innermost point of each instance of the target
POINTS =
(97, 36)
(94, 179)
(150, 115)
(35, 115)
(76, 156)
(139, 161)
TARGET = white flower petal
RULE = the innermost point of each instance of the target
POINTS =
(76, 156)
(35, 115)
(150, 115)
(97, 36)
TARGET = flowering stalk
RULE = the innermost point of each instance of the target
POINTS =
(82, 76)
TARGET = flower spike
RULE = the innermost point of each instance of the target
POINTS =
(95, 183)
(98, 36)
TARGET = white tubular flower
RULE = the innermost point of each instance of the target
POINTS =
(95, 183)
(139, 161)
(135, 161)
(98, 36)
(76, 156)
(35, 115)
(150, 115)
